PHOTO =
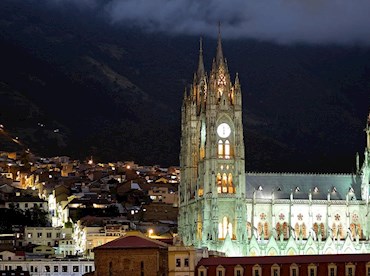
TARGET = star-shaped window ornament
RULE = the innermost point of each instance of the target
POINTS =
(281, 216)
(263, 216)
(318, 217)
(337, 217)
(355, 218)
(300, 216)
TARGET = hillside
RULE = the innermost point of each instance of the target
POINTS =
(115, 92)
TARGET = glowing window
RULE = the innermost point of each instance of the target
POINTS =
(230, 183)
(224, 183)
(224, 228)
(227, 149)
(220, 149)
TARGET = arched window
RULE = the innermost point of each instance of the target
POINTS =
(230, 183)
(285, 230)
(266, 231)
(227, 149)
(224, 183)
(304, 230)
(224, 228)
(219, 183)
(220, 149)
(322, 230)
(224, 149)
(278, 229)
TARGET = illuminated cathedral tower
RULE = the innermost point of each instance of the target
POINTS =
(212, 192)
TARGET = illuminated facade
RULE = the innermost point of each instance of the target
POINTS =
(225, 209)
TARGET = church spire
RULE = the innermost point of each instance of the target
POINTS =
(219, 55)
(201, 70)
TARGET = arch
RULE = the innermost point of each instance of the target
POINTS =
(296, 229)
(230, 183)
(259, 228)
(316, 228)
(291, 251)
(340, 231)
(249, 230)
(227, 150)
(220, 149)
(224, 183)
(272, 252)
(225, 227)
(219, 183)
(278, 229)
(266, 229)
(322, 230)
(304, 230)
(285, 230)
(334, 228)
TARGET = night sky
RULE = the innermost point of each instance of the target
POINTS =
(120, 67)
(281, 21)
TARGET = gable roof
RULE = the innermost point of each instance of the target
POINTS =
(132, 240)
(283, 184)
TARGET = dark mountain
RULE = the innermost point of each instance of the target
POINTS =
(72, 83)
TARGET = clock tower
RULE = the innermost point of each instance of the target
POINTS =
(212, 209)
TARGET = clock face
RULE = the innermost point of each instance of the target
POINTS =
(223, 130)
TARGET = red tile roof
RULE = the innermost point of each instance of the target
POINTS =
(340, 258)
(133, 240)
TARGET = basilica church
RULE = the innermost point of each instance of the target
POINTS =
(226, 209)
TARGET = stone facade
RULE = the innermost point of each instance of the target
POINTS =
(225, 209)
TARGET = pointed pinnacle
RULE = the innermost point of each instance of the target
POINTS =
(219, 55)
(200, 72)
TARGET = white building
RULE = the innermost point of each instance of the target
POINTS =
(49, 236)
(51, 267)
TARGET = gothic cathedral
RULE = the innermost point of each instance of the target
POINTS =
(212, 158)
(226, 209)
